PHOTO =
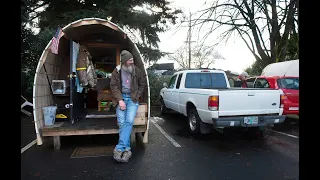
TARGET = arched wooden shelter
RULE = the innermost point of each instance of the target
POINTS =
(84, 109)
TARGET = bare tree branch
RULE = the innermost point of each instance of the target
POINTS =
(253, 51)
(202, 56)
(261, 39)
(249, 19)
(254, 28)
(220, 22)
(289, 26)
(266, 12)
(285, 13)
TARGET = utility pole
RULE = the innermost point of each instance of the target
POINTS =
(189, 40)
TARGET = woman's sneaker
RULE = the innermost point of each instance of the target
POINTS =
(126, 156)
(117, 155)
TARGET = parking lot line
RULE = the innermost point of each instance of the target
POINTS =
(290, 135)
(28, 146)
(166, 135)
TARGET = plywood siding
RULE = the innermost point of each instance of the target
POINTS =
(43, 95)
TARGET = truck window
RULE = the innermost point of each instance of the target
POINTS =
(172, 82)
(261, 83)
(250, 82)
(289, 83)
(179, 81)
(205, 80)
(231, 82)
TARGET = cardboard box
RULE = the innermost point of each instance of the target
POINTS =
(104, 105)
(141, 118)
(104, 95)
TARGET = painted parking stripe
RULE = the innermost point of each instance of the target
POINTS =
(285, 134)
(28, 146)
(166, 135)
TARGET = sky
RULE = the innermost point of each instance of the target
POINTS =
(237, 55)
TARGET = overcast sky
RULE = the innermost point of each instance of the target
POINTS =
(237, 55)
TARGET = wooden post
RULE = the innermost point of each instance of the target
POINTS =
(56, 143)
(133, 139)
(118, 56)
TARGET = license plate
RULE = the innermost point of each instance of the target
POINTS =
(251, 120)
(293, 108)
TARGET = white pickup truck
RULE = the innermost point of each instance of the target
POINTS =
(205, 97)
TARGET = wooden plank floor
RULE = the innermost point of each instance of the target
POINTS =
(92, 123)
(87, 126)
(96, 112)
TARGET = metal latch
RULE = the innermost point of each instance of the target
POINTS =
(71, 76)
(251, 94)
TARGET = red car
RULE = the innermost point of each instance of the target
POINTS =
(288, 84)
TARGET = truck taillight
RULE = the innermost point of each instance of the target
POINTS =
(282, 99)
(213, 103)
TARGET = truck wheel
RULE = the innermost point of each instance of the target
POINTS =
(163, 108)
(194, 121)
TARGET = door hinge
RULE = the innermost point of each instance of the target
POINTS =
(71, 76)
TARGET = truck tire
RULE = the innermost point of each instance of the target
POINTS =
(194, 121)
(163, 108)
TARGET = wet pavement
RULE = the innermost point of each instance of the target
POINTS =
(236, 155)
(289, 126)
(27, 130)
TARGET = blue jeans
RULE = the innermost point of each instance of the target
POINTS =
(125, 122)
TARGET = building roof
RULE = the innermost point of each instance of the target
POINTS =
(163, 66)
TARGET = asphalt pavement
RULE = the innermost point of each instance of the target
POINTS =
(171, 153)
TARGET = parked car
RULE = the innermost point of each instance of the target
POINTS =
(284, 68)
(288, 84)
(206, 98)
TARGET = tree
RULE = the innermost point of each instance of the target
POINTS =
(180, 57)
(257, 22)
(61, 12)
(292, 53)
(31, 45)
(254, 69)
(29, 11)
(27, 61)
(154, 18)
(202, 56)
(31, 50)
(293, 48)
